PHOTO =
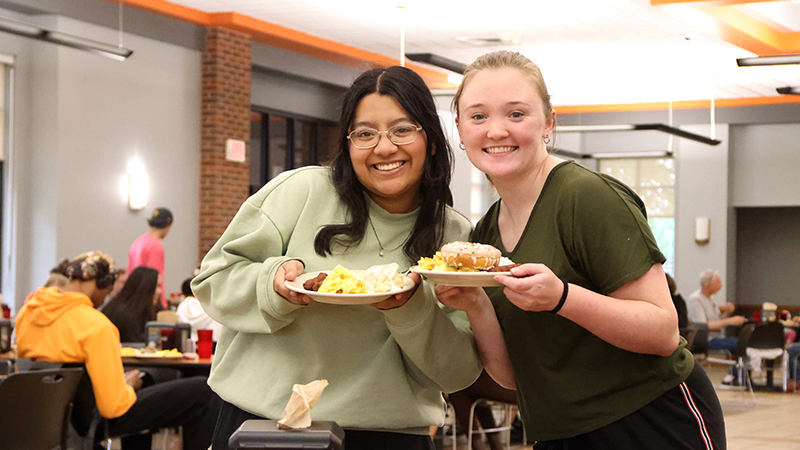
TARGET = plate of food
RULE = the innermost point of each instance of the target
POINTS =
(145, 353)
(465, 264)
(342, 286)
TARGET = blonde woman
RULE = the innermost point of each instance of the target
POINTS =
(589, 333)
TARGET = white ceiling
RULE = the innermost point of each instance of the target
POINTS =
(590, 51)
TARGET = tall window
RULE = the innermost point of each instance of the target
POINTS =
(280, 142)
(654, 180)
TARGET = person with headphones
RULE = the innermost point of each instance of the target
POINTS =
(62, 325)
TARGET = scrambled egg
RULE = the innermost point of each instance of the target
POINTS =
(128, 351)
(437, 264)
(170, 352)
(342, 281)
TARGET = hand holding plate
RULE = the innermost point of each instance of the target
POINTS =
(288, 271)
(533, 287)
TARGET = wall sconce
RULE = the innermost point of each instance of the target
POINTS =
(702, 230)
(137, 190)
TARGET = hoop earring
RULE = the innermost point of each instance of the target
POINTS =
(461, 146)
(546, 140)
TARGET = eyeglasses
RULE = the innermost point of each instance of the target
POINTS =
(402, 134)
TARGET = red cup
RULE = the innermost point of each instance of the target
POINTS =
(204, 349)
(205, 335)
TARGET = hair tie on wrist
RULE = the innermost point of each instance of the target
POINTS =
(563, 298)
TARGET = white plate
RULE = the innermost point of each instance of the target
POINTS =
(481, 279)
(344, 299)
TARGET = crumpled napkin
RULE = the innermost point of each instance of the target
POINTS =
(298, 411)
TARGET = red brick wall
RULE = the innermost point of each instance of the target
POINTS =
(225, 114)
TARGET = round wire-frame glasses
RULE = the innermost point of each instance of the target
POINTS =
(401, 134)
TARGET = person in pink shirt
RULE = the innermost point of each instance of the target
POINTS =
(148, 251)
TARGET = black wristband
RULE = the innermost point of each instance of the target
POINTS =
(563, 298)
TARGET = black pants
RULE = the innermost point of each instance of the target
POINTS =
(231, 417)
(688, 417)
(185, 402)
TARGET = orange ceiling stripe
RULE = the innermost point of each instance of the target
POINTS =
(743, 23)
(791, 41)
(741, 29)
(287, 38)
(694, 104)
(297, 41)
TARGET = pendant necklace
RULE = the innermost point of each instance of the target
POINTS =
(380, 253)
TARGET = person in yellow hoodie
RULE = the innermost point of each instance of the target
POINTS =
(63, 325)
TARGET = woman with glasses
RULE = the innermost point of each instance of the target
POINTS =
(383, 199)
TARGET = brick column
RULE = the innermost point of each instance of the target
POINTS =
(224, 114)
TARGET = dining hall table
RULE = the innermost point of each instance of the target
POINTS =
(186, 365)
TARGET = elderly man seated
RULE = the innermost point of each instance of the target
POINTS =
(62, 325)
(704, 313)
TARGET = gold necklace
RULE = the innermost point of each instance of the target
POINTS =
(380, 253)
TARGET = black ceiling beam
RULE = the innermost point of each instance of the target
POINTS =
(438, 61)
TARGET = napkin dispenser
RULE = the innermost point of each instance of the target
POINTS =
(167, 335)
(265, 434)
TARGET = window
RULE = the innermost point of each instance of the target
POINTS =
(654, 180)
(280, 142)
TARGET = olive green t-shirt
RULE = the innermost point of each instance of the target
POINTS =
(591, 231)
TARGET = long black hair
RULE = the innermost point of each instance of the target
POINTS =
(408, 88)
(133, 307)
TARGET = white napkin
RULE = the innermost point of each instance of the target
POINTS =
(298, 411)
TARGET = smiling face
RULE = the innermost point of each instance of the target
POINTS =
(502, 123)
(391, 173)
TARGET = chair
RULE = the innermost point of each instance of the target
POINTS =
(35, 408)
(504, 414)
(84, 417)
(768, 338)
(739, 362)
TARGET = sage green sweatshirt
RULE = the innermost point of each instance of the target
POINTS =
(386, 369)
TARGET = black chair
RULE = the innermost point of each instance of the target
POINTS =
(90, 427)
(35, 408)
(770, 336)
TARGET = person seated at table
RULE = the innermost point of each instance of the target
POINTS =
(135, 305)
(191, 311)
(793, 351)
(703, 312)
(61, 325)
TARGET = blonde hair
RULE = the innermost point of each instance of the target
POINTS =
(514, 60)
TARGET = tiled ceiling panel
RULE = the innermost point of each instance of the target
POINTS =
(591, 51)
